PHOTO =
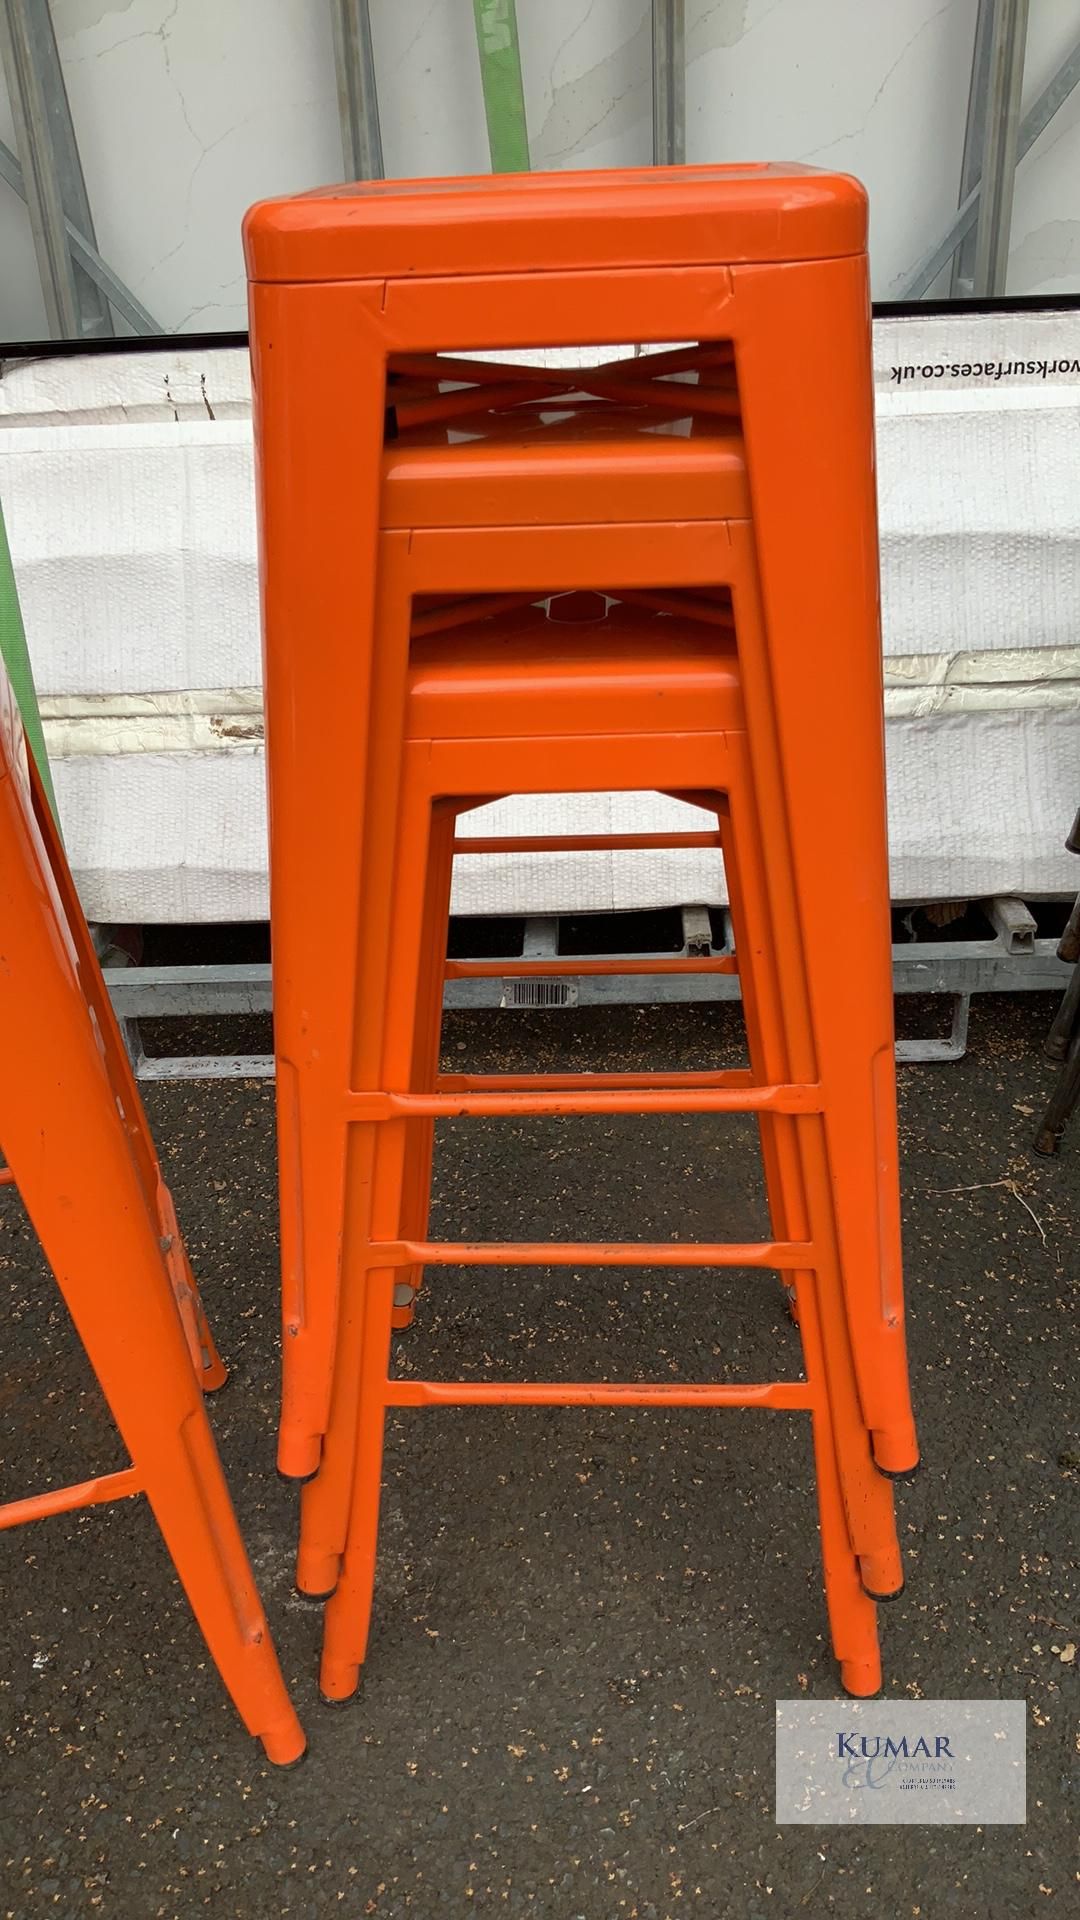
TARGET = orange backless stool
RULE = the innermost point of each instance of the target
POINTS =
(78, 1149)
(483, 579)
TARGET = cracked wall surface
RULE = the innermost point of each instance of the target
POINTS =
(187, 110)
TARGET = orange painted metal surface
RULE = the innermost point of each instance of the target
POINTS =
(77, 1145)
(555, 223)
(713, 636)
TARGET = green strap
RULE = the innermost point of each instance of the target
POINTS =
(16, 658)
(500, 74)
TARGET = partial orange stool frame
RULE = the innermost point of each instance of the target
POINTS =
(480, 737)
(78, 1148)
(447, 268)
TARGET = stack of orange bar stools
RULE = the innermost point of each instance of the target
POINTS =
(78, 1148)
(484, 579)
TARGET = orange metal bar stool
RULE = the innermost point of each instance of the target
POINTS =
(77, 1146)
(730, 483)
(482, 718)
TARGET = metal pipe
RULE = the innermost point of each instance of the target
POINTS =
(52, 169)
(87, 1493)
(669, 83)
(787, 1256)
(358, 98)
(963, 266)
(1014, 925)
(785, 1394)
(1000, 152)
(787, 1098)
(1034, 123)
(120, 297)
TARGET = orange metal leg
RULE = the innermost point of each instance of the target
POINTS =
(348, 1612)
(420, 1148)
(324, 1503)
(852, 1613)
(347, 1620)
(818, 604)
(801, 1201)
(318, 534)
(75, 1140)
(209, 1367)
(324, 1500)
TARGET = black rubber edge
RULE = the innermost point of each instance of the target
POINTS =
(884, 1598)
(297, 1479)
(900, 1473)
(289, 1766)
(315, 1599)
(327, 1701)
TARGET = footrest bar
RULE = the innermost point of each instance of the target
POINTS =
(784, 1256)
(588, 1082)
(87, 1493)
(587, 843)
(777, 1394)
(518, 968)
(434, 1106)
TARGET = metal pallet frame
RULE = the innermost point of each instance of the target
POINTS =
(1011, 960)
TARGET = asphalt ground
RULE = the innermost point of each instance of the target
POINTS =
(583, 1618)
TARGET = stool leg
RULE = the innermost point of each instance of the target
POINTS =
(347, 1620)
(799, 1188)
(70, 1151)
(190, 1502)
(348, 1613)
(420, 1147)
(1062, 1100)
(209, 1367)
(318, 568)
(210, 1370)
(852, 1614)
(810, 665)
(324, 1501)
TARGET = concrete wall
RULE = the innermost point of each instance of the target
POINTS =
(187, 110)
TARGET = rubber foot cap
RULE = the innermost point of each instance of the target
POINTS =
(883, 1599)
(330, 1700)
(860, 1678)
(900, 1473)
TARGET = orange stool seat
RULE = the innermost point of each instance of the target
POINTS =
(484, 469)
(524, 674)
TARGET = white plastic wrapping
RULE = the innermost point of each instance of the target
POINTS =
(127, 488)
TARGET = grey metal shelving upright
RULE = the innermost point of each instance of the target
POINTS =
(996, 141)
(80, 290)
(358, 94)
(669, 82)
